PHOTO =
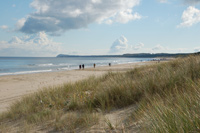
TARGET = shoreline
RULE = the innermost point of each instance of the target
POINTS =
(61, 69)
(14, 87)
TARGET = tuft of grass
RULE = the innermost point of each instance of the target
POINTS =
(109, 124)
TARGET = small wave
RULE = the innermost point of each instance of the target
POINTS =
(25, 72)
(63, 64)
(50, 64)
(65, 68)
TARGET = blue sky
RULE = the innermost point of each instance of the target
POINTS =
(97, 27)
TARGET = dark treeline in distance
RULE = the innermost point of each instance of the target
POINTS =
(140, 55)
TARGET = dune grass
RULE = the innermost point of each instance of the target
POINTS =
(172, 101)
(167, 95)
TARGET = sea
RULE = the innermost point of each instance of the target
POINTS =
(27, 65)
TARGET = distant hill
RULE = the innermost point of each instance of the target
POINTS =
(149, 55)
(139, 55)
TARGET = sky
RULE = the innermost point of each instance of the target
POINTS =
(46, 28)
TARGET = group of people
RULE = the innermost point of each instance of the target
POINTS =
(82, 66)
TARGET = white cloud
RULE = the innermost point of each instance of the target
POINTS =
(192, 1)
(96, 1)
(109, 21)
(126, 16)
(197, 49)
(34, 45)
(190, 17)
(139, 46)
(13, 5)
(20, 23)
(57, 16)
(162, 49)
(159, 48)
(182, 50)
(4, 27)
(163, 1)
(119, 46)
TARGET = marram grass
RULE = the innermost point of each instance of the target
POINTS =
(172, 102)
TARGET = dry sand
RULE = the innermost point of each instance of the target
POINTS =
(15, 87)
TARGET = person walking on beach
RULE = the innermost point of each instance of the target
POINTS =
(109, 64)
(80, 67)
(83, 66)
(94, 65)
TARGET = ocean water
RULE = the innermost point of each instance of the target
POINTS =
(25, 65)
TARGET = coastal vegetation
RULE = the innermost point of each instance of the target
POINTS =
(166, 97)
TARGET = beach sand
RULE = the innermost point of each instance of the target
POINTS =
(14, 87)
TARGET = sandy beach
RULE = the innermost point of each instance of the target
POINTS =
(14, 87)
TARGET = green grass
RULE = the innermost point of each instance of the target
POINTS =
(167, 94)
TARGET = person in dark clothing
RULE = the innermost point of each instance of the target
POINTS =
(109, 64)
(80, 67)
(83, 66)
(94, 65)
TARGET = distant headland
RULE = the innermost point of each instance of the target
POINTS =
(139, 55)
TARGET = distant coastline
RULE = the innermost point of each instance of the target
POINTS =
(139, 55)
